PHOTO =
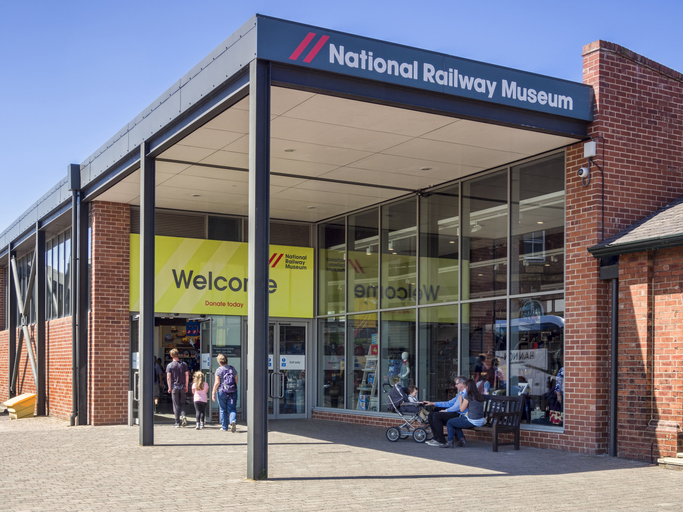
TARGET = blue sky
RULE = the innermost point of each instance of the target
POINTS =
(75, 72)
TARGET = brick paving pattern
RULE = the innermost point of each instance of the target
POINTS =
(313, 465)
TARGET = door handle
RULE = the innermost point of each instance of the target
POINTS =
(136, 386)
(282, 386)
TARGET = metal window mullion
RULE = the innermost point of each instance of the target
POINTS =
(380, 284)
(508, 287)
(458, 308)
(418, 268)
(346, 310)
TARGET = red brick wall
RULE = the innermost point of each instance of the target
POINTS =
(639, 105)
(109, 315)
(650, 353)
(59, 367)
(4, 365)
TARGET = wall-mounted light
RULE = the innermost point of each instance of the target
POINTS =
(391, 245)
(368, 250)
(475, 227)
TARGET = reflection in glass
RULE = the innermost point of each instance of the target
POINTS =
(364, 352)
(537, 357)
(363, 258)
(537, 214)
(292, 351)
(484, 344)
(439, 241)
(485, 235)
(398, 349)
(331, 363)
(438, 359)
(399, 249)
(331, 265)
(227, 339)
(67, 273)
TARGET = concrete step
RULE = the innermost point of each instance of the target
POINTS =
(679, 455)
(671, 462)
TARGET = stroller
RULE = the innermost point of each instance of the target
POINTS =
(413, 425)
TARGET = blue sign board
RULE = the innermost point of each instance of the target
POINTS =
(328, 50)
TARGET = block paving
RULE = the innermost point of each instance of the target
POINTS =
(313, 465)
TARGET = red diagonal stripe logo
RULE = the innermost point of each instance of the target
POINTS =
(316, 48)
(278, 260)
(302, 46)
(354, 266)
(271, 258)
(359, 267)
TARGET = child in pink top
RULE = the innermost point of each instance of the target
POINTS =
(200, 388)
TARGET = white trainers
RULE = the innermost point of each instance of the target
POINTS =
(233, 427)
(184, 422)
(433, 442)
(198, 427)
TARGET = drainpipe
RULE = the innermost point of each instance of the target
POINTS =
(74, 171)
(609, 271)
(615, 368)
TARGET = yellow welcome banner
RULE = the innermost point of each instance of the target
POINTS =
(209, 277)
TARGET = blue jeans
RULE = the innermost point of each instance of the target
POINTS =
(227, 403)
(455, 426)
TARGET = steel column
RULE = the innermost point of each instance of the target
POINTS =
(83, 302)
(11, 322)
(259, 240)
(146, 323)
(79, 297)
(41, 388)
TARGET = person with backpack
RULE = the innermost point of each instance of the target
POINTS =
(226, 386)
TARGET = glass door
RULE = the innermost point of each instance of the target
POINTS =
(134, 376)
(287, 370)
(206, 361)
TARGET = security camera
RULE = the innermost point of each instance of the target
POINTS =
(585, 175)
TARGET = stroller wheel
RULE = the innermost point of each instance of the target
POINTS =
(393, 434)
(419, 435)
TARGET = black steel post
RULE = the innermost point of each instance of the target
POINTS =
(615, 369)
(11, 323)
(41, 387)
(259, 240)
(80, 220)
(83, 294)
(146, 338)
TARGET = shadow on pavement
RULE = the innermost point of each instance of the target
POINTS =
(526, 461)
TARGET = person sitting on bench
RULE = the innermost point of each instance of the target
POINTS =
(472, 415)
(452, 409)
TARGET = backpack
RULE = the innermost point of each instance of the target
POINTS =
(227, 376)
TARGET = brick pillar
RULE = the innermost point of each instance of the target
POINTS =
(638, 107)
(109, 314)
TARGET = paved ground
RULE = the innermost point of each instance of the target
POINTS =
(313, 465)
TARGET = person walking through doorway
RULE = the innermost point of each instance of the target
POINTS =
(178, 378)
(200, 390)
(226, 386)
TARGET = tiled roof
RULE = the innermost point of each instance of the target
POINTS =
(663, 228)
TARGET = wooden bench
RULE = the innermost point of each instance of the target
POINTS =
(503, 415)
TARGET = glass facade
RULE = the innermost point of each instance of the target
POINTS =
(58, 276)
(466, 279)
